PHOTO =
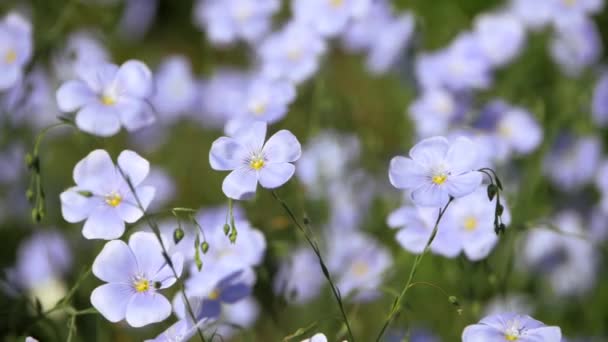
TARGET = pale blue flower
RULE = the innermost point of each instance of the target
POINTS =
(252, 161)
(265, 100)
(415, 225)
(103, 197)
(501, 36)
(137, 18)
(599, 104)
(82, 50)
(511, 302)
(435, 110)
(361, 32)
(350, 199)
(163, 185)
(15, 48)
(437, 170)
(510, 327)
(535, 14)
(576, 45)
(107, 96)
(134, 274)
(465, 64)
(390, 43)
(175, 87)
(299, 278)
(229, 290)
(227, 21)
(573, 162)
(292, 53)
(220, 96)
(329, 17)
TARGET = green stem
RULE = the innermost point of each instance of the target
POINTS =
(398, 301)
(315, 247)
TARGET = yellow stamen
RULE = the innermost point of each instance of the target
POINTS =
(360, 268)
(439, 179)
(510, 337)
(10, 56)
(142, 285)
(258, 108)
(336, 3)
(257, 163)
(113, 199)
(470, 224)
(108, 100)
(215, 294)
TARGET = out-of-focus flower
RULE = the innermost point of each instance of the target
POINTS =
(415, 226)
(510, 327)
(435, 110)
(107, 96)
(576, 45)
(329, 17)
(137, 18)
(163, 185)
(292, 53)
(82, 50)
(103, 197)
(359, 263)
(512, 302)
(350, 199)
(252, 161)
(134, 274)
(299, 278)
(436, 170)
(534, 14)
(572, 163)
(226, 21)
(175, 87)
(220, 96)
(473, 215)
(266, 100)
(562, 254)
(501, 36)
(15, 48)
(316, 338)
(599, 104)
(229, 290)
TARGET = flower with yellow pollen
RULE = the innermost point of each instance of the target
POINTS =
(510, 327)
(439, 179)
(257, 163)
(470, 223)
(141, 285)
(108, 100)
(114, 199)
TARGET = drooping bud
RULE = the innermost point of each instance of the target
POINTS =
(492, 190)
(226, 229)
(178, 235)
(204, 247)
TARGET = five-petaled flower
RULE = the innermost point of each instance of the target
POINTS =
(252, 161)
(102, 194)
(510, 327)
(134, 273)
(107, 96)
(437, 170)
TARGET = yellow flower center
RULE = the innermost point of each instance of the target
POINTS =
(215, 294)
(142, 285)
(569, 2)
(258, 108)
(257, 163)
(470, 224)
(360, 268)
(336, 3)
(114, 199)
(108, 100)
(439, 179)
(510, 337)
(10, 56)
(294, 54)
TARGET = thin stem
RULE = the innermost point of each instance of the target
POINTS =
(315, 247)
(397, 303)
(156, 231)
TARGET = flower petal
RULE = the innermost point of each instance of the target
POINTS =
(274, 175)
(165, 275)
(481, 333)
(405, 173)
(282, 147)
(210, 309)
(147, 252)
(73, 95)
(464, 184)
(226, 154)
(98, 119)
(252, 136)
(234, 293)
(240, 184)
(129, 210)
(111, 300)
(98, 77)
(430, 195)
(544, 334)
(76, 207)
(134, 113)
(115, 263)
(95, 172)
(134, 78)
(429, 151)
(134, 166)
(147, 308)
(462, 155)
(103, 223)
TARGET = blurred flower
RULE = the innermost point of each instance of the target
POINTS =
(510, 327)
(316, 338)
(562, 254)
(501, 36)
(599, 104)
(137, 18)
(436, 171)
(251, 161)
(473, 215)
(265, 100)
(229, 290)
(107, 97)
(220, 96)
(299, 278)
(435, 110)
(81, 51)
(134, 273)
(576, 45)
(349, 200)
(292, 53)
(573, 162)
(415, 226)
(512, 302)
(359, 263)
(329, 17)
(226, 21)
(15, 48)
(175, 87)
(534, 14)
(164, 187)
(103, 197)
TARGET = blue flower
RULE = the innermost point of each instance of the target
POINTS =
(509, 327)
(15, 49)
